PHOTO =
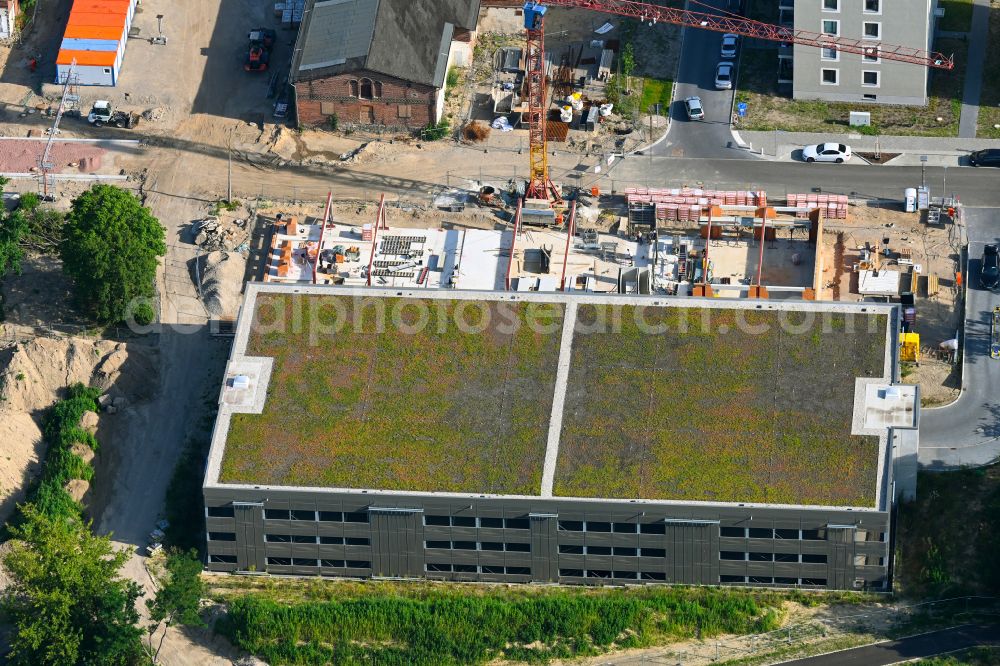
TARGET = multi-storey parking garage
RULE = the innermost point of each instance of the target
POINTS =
(545, 437)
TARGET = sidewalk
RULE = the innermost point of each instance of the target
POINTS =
(940, 151)
(974, 69)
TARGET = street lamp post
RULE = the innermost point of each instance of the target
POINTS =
(923, 166)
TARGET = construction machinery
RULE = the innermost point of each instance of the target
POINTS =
(259, 50)
(104, 114)
(540, 186)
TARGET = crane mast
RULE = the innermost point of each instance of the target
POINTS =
(539, 184)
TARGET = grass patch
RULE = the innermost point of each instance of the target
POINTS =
(989, 102)
(712, 412)
(949, 536)
(957, 15)
(425, 624)
(656, 91)
(768, 110)
(385, 402)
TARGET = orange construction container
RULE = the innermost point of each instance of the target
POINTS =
(90, 18)
(85, 58)
(92, 32)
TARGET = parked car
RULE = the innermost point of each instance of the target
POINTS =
(987, 158)
(827, 152)
(729, 42)
(724, 76)
(989, 271)
(694, 108)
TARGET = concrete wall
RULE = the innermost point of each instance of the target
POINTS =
(317, 100)
(544, 540)
(907, 24)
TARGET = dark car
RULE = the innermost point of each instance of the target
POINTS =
(989, 273)
(987, 158)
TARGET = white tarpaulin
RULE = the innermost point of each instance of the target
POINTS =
(605, 29)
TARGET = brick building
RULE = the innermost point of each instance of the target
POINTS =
(379, 62)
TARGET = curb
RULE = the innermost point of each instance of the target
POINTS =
(673, 93)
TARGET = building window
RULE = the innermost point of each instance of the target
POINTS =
(786, 557)
(355, 517)
(872, 30)
(303, 515)
(220, 512)
(358, 564)
(732, 555)
(830, 77)
(518, 524)
(331, 541)
(598, 550)
(465, 568)
(761, 557)
(437, 521)
(831, 28)
(277, 538)
(809, 558)
(276, 514)
(620, 551)
(571, 573)
(280, 561)
(518, 571)
(570, 526)
(570, 549)
(352, 88)
(483, 522)
(463, 521)
(367, 89)
(331, 517)
(737, 532)
(869, 97)
(222, 559)
(786, 534)
(778, 580)
(831, 5)
(653, 552)
(653, 575)
(625, 528)
(519, 548)
(626, 575)
(761, 580)
(221, 536)
(829, 53)
(378, 89)
(301, 538)
(334, 564)
(356, 541)
(873, 6)
(652, 528)
(302, 562)
(869, 78)
(819, 582)
(732, 579)
(763, 532)
(872, 54)
(492, 570)
(598, 526)
(814, 535)
(491, 545)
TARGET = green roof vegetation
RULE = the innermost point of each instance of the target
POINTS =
(710, 412)
(394, 408)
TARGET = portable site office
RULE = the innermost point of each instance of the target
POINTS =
(96, 35)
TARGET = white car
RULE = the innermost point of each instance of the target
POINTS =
(694, 109)
(827, 152)
(729, 42)
(724, 76)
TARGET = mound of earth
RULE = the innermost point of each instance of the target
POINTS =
(33, 377)
(221, 282)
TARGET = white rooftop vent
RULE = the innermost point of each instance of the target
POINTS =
(241, 382)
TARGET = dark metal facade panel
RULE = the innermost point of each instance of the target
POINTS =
(691, 551)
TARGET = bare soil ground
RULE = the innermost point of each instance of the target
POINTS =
(935, 249)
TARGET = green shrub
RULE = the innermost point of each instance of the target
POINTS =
(455, 627)
(144, 314)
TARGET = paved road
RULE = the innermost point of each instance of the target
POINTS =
(696, 78)
(893, 652)
(967, 432)
(974, 187)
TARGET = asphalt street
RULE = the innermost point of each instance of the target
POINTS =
(696, 78)
(905, 649)
(967, 432)
(974, 187)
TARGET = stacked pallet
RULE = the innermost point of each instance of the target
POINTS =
(686, 204)
(290, 12)
(834, 206)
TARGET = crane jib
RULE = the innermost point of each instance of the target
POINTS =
(754, 29)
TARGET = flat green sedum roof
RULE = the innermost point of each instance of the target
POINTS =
(718, 414)
(436, 410)
(698, 413)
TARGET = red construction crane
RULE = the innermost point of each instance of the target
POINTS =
(539, 184)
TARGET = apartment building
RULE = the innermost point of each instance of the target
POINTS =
(827, 74)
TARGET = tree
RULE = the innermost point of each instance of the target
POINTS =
(13, 226)
(66, 600)
(110, 248)
(178, 600)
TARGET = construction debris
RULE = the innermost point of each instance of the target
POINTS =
(213, 234)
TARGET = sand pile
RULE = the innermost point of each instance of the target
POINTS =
(221, 282)
(33, 376)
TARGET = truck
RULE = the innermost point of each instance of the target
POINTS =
(259, 50)
(104, 114)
